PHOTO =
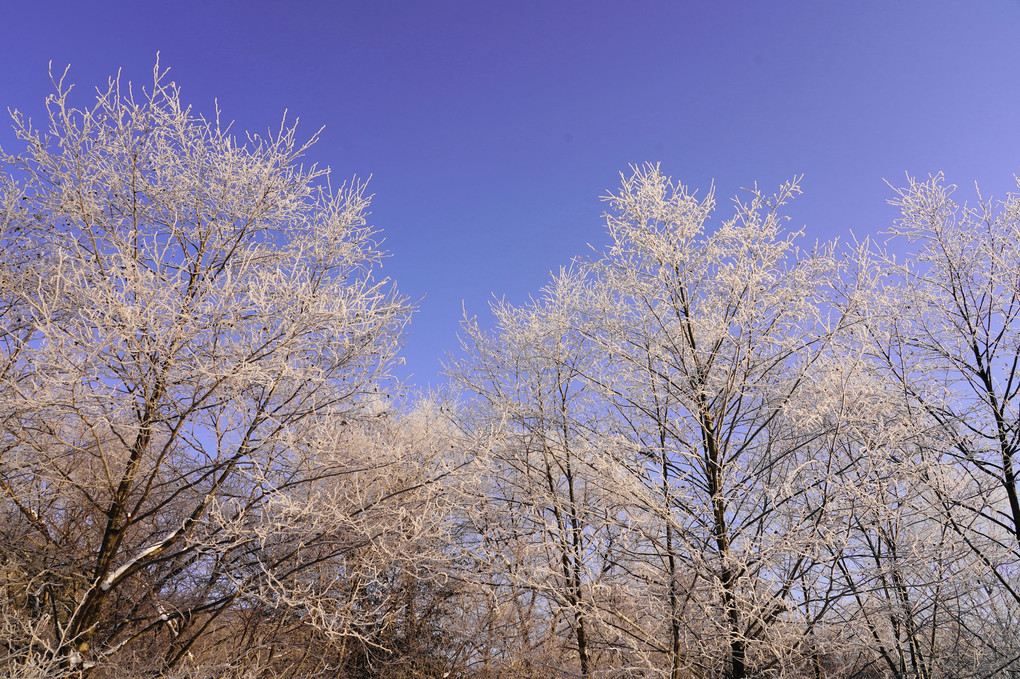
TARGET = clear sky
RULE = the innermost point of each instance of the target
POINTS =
(491, 128)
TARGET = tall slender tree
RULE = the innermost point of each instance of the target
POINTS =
(716, 338)
(528, 381)
(943, 326)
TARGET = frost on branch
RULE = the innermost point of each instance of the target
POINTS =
(178, 307)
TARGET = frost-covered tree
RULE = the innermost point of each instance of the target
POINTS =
(545, 526)
(684, 382)
(943, 327)
(721, 341)
(190, 330)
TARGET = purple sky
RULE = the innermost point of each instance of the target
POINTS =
(492, 128)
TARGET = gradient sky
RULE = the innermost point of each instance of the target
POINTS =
(491, 129)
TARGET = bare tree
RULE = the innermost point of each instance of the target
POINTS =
(189, 328)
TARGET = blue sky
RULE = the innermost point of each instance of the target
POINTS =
(491, 129)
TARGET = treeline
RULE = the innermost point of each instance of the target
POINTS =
(710, 451)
